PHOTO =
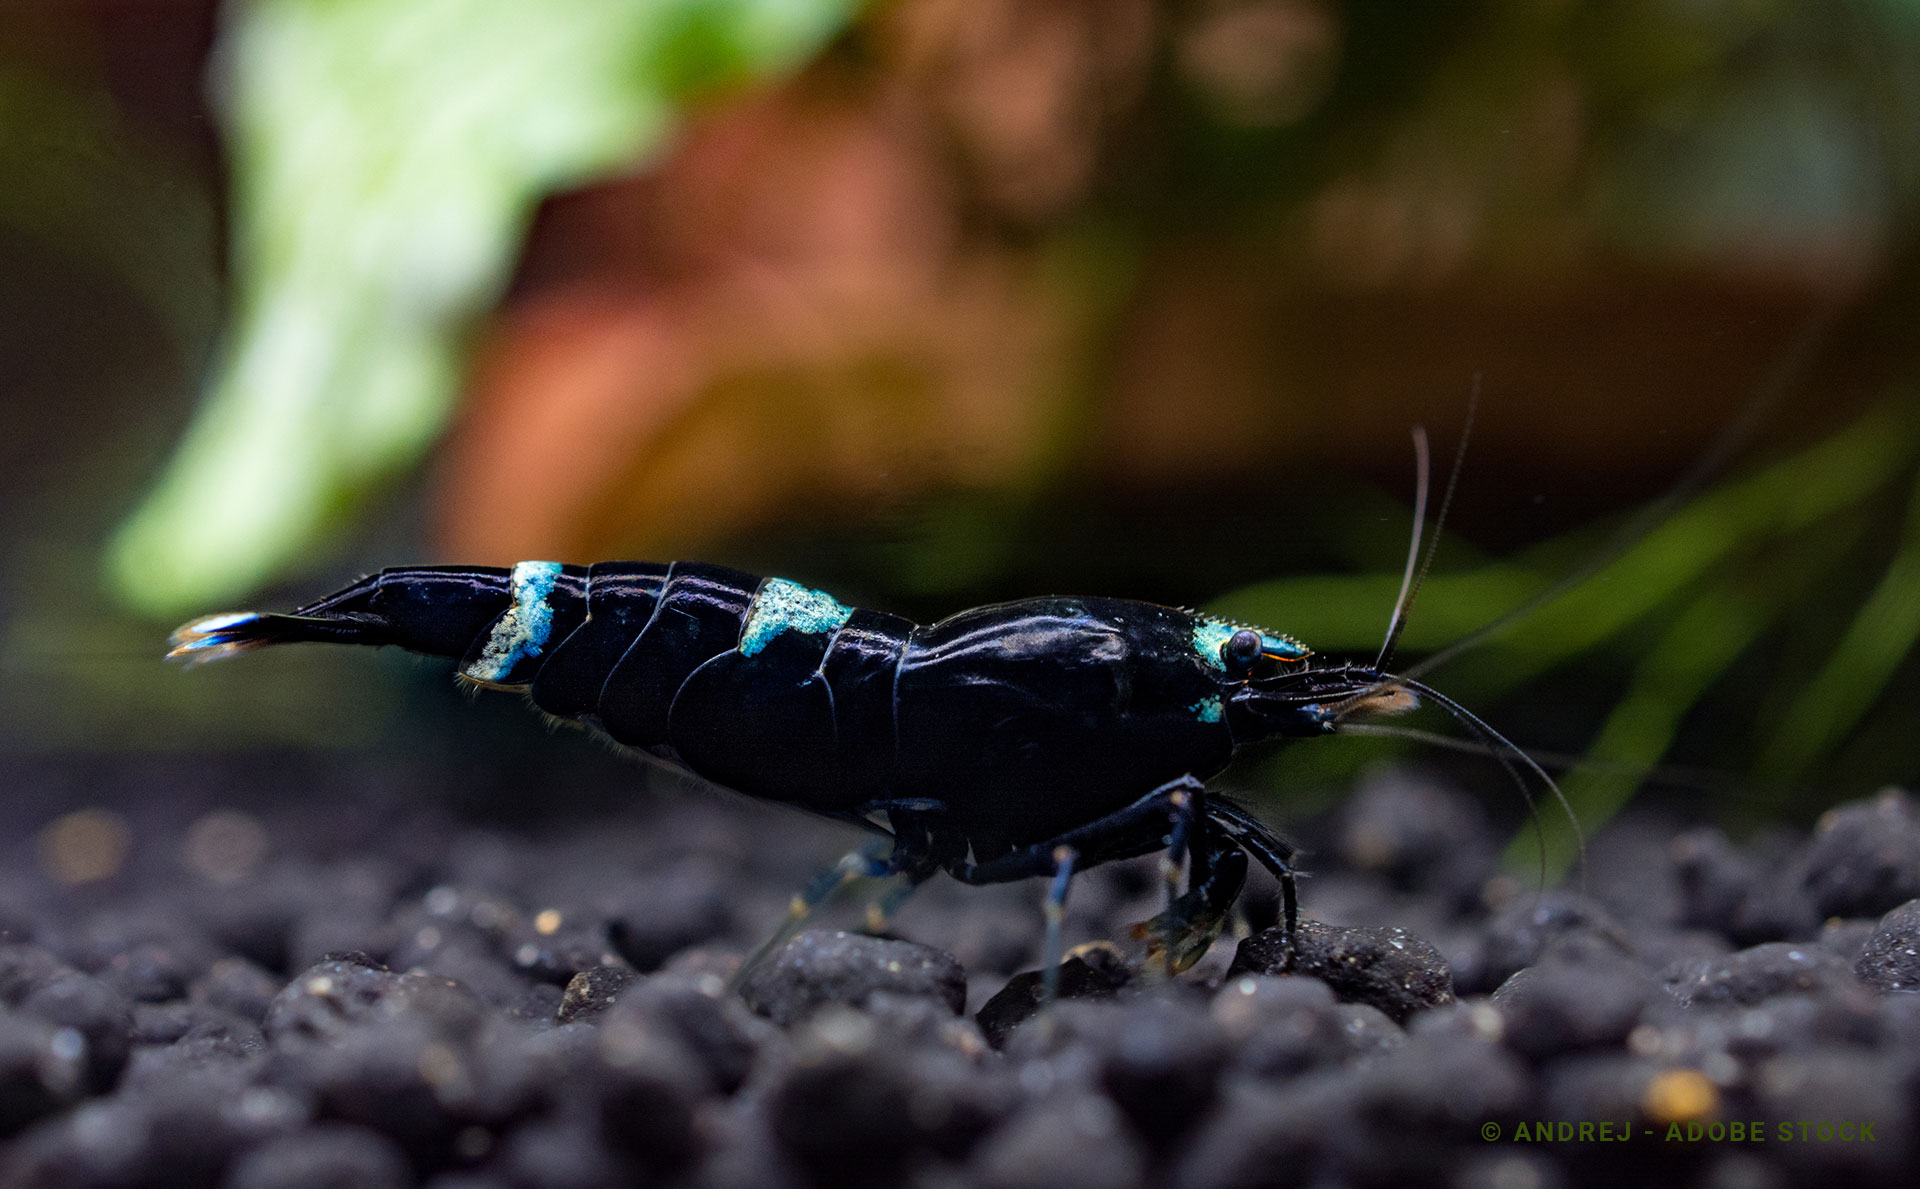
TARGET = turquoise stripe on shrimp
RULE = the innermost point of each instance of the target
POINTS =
(522, 631)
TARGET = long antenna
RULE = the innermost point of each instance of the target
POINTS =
(1398, 622)
(1665, 775)
(1478, 726)
(1772, 387)
(1411, 581)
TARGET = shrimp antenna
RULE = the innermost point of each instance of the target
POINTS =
(1411, 580)
(1786, 370)
(1398, 622)
(1503, 749)
(1663, 775)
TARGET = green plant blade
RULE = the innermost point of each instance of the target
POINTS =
(387, 158)
(1882, 636)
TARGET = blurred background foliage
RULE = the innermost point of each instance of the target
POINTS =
(933, 302)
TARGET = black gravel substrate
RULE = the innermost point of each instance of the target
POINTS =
(247, 999)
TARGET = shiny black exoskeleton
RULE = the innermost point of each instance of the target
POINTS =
(1029, 738)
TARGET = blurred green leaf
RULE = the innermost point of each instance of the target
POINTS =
(387, 158)
(1711, 632)
(1881, 637)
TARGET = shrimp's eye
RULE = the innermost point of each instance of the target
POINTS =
(1241, 649)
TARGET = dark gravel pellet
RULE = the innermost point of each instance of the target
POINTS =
(1386, 968)
(1095, 972)
(1162, 1067)
(24, 969)
(343, 992)
(560, 956)
(592, 992)
(1075, 1141)
(1714, 877)
(1410, 1106)
(1864, 858)
(98, 1145)
(1560, 1007)
(101, 1016)
(149, 972)
(853, 1101)
(1511, 1170)
(238, 986)
(1419, 836)
(1551, 923)
(713, 1026)
(1600, 1085)
(216, 1039)
(1270, 1133)
(43, 1067)
(1277, 1027)
(539, 1002)
(1838, 1088)
(673, 909)
(1890, 959)
(1154, 1055)
(558, 1154)
(648, 1086)
(329, 1156)
(1757, 974)
(1728, 891)
(1369, 1031)
(392, 1075)
(1847, 938)
(740, 1151)
(181, 1131)
(818, 968)
(477, 966)
(164, 1023)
